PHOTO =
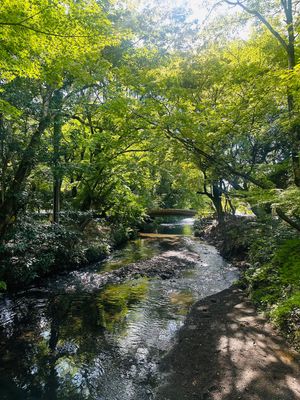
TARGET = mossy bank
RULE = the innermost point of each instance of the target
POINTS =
(268, 253)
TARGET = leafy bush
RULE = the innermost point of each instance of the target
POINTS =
(235, 236)
(120, 234)
(286, 315)
(272, 250)
(275, 285)
(35, 249)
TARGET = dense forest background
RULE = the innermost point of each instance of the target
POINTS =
(111, 108)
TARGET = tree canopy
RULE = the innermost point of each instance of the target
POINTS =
(117, 107)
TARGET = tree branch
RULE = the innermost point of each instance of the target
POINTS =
(48, 33)
(281, 214)
(263, 20)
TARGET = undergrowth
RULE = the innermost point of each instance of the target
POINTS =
(35, 249)
(275, 287)
(272, 253)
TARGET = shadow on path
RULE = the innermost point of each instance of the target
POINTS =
(226, 351)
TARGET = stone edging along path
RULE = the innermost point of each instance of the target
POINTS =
(227, 351)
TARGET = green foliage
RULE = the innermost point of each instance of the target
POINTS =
(39, 37)
(269, 253)
(275, 285)
(283, 267)
(117, 107)
(287, 257)
(236, 236)
(37, 249)
(286, 315)
(284, 310)
(264, 284)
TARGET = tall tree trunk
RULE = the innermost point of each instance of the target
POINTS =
(11, 205)
(2, 156)
(57, 176)
(217, 201)
(56, 199)
(288, 9)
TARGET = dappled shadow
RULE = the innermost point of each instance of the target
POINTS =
(225, 351)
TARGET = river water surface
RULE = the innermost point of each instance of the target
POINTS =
(104, 345)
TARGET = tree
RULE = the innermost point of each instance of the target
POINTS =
(60, 40)
(213, 105)
(287, 40)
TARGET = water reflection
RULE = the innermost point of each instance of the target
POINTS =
(135, 250)
(115, 301)
(104, 345)
(65, 347)
(171, 225)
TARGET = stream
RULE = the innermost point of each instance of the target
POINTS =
(106, 343)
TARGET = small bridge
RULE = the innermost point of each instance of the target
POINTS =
(159, 212)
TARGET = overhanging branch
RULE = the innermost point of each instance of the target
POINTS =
(262, 19)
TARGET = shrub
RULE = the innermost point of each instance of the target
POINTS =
(36, 249)
(275, 285)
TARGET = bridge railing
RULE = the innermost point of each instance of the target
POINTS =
(171, 211)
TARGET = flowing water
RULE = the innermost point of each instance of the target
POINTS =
(105, 345)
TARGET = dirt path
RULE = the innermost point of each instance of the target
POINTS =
(226, 351)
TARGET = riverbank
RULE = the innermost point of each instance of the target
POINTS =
(39, 249)
(226, 351)
(267, 252)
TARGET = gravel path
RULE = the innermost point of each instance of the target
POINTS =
(226, 351)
